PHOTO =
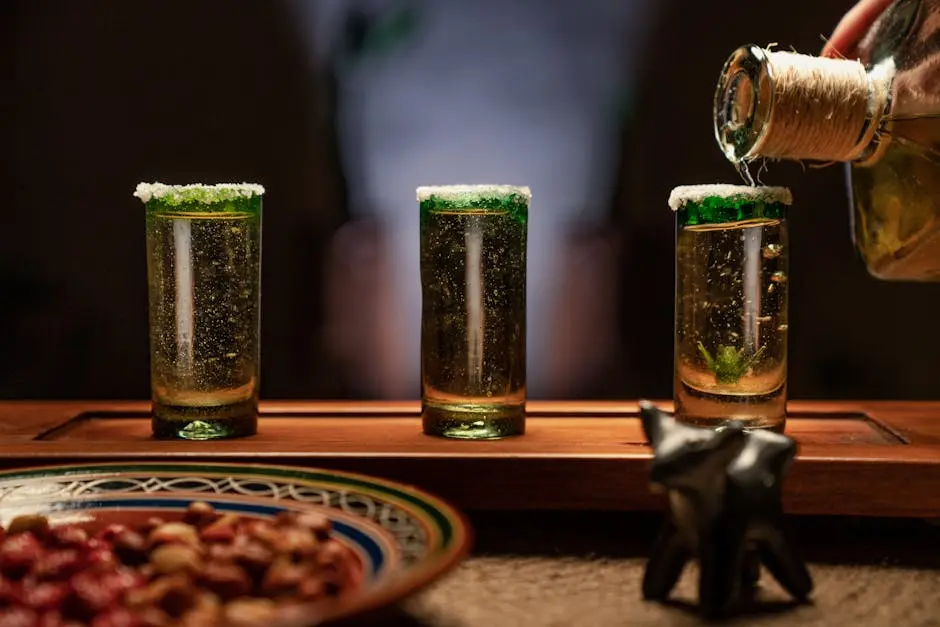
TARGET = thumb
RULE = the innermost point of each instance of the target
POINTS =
(852, 27)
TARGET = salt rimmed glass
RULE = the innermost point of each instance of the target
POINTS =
(204, 276)
(731, 304)
(473, 315)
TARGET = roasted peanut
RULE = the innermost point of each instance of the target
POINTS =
(285, 519)
(254, 556)
(152, 523)
(131, 548)
(204, 613)
(283, 576)
(311, 520)
(222, 552)
(99, 555)
(53, 618)
(261, 530)
(9, 591)
(116, 617)
(174, 533)
(316, 522)
(67, 536)
(200, 514)
(37, 525)
(122, 579)
(174, 594)
(60, 564)
(226, 580)
(90, 595)
(312, 588)
(153, 617)
(222, 530)
(18, 617)
(109, 533)
(44, 596)
(297, 542)
(167, 559)
(332, 554)
(147, 596)
(187, 574)
(249, 612)
(18, 553)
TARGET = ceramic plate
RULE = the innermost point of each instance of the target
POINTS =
(405, 538)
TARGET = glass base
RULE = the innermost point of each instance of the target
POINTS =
(184, 422)
(754, 411)
(473, 421)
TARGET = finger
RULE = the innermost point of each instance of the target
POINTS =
(852, 27)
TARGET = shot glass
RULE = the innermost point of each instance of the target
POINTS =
(473, 314)
(203, 270)
(731, 305)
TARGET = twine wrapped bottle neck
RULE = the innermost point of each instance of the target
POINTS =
(783, 105)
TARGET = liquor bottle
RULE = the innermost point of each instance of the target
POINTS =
(879, 114)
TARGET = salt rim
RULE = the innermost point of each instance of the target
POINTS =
(471, 193)
(684, 194)
(196, 192)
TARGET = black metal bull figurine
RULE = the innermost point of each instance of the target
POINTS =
(724, 489)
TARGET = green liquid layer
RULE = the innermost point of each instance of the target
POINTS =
(515, 206)
(242, 205)
(721, 210)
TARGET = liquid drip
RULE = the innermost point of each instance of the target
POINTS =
(745, 173)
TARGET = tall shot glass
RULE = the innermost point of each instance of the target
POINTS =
(731, 305)
(203, 269)
(473, 317)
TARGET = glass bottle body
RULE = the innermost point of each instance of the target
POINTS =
(896, 191)
(894, 175)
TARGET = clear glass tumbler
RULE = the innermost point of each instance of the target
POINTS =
(204, 274)
(731, 305)
(473, 318)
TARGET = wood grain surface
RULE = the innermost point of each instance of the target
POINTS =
(862, 458)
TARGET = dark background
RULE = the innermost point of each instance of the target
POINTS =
(97, 95)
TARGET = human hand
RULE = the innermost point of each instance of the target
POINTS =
(852, 27)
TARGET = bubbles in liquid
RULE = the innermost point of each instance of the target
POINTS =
(782, 328)
(772, 251)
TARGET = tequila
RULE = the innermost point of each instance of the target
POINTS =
(473, 331)
(880, 115)
(731, 305)
(203, 263)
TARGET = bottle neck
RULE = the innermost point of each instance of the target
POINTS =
(783, 105)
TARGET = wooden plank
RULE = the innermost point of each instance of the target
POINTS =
(860, 458)
(368, 433)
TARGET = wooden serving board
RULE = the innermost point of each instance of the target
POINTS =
(856, 458)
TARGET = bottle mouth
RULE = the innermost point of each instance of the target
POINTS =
(743, 100)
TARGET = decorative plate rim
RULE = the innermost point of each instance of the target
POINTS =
(393, 589)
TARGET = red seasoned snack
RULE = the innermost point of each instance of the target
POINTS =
(204, 570)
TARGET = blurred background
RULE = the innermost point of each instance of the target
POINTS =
(337, 107)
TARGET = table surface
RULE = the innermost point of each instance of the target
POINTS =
(855, 456)
(551, 567)
(576, 569)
